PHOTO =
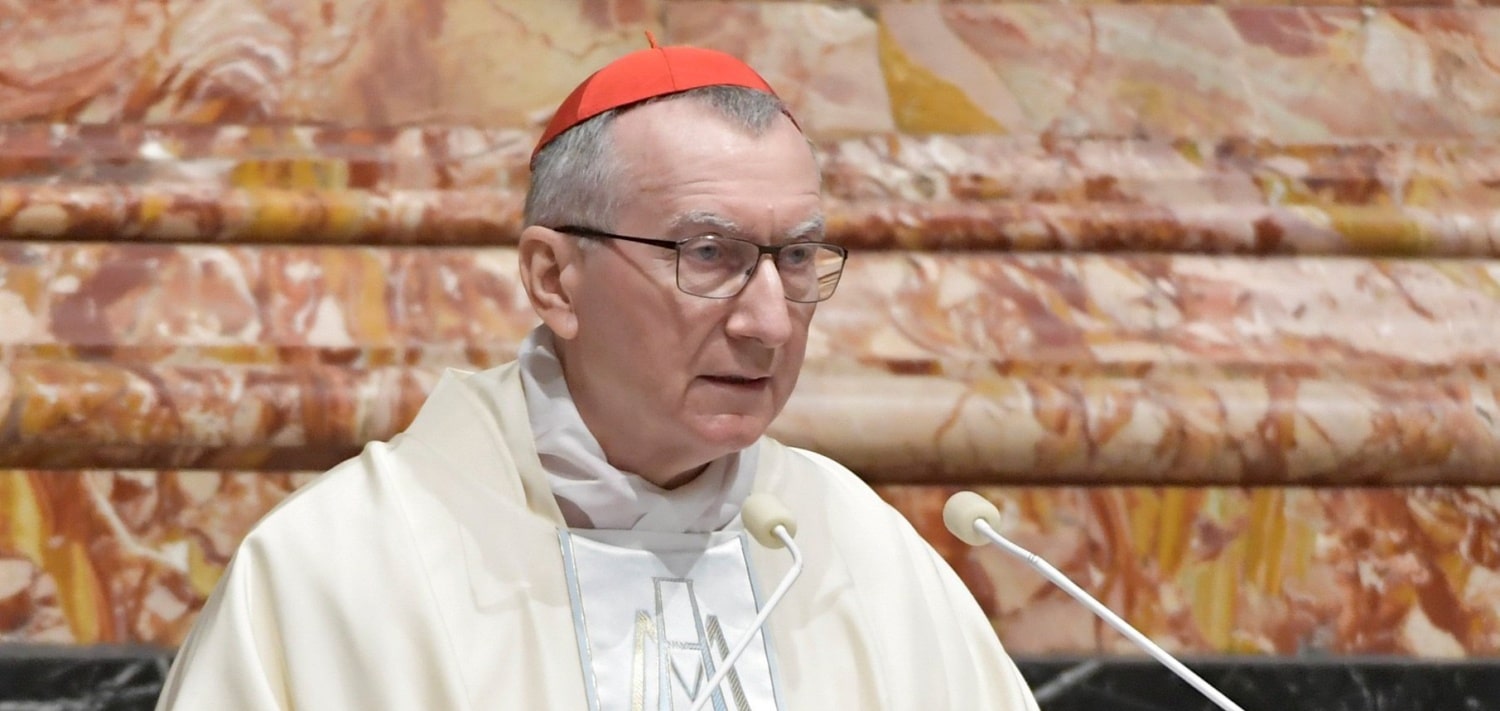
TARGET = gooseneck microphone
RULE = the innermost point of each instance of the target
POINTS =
(973, 519)
(771, 525)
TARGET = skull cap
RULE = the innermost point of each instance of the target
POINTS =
(647, 74)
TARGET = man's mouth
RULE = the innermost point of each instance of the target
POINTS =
(739, 380)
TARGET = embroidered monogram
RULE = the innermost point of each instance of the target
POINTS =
(657, 613)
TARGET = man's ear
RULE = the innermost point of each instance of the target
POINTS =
(549, 262)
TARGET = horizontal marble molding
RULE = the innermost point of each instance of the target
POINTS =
(1165, 426)
(1202, 228)
(492, 217)
(1213, 196)
(1194, 428)
(1139, 368)
(67, 414)
(250, 156)
(459, 186)
(260, 215)
(1123, 314)
(128, 557)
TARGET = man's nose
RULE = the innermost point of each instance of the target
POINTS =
(761, 310)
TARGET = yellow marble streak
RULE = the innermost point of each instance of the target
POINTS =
(25, 528)
(307, 173)
(83, 601)
(203, 574)
(30, 528)
(1267, 533)
(924, 102)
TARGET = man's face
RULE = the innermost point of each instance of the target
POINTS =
(665, 380)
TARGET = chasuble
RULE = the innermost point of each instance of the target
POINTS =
(436, 571)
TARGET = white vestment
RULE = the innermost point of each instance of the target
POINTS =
(427, 573)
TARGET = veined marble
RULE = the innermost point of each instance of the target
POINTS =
(168, 214)
(120, 556)
(1012, 312)
(353, 63)
(117, 556)
(1197, 427)
(1097, 245)
(458, 186)
(1293, 74)
(1131, 368)
(287, 156)
(1289, 74)
(1286, 571)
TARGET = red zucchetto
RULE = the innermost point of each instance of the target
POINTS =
(647, 74)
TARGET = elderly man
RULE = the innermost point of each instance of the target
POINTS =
(564, 532)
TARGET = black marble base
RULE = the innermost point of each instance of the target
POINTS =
(1268, 683)
(80, 678)
(113, 679)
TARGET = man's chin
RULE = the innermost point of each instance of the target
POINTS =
(731, 433)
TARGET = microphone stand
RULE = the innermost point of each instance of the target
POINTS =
(1108, 615)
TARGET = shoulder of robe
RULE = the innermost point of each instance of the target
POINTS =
(344, 508)
(813, 484)
(833, 481)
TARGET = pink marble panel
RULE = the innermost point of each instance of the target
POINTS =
(120, 556)
(1135, 368)
(114, 556)
(1005, 312)
(1287, 571)
(356, 62)
(353, 307)
(1287, 74)
(1167, 427)
(822, 58)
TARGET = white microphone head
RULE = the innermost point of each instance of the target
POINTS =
(963, 510)
(761, 514)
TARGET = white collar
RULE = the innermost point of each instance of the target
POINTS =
(594, 494)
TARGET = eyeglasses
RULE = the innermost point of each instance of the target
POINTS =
(718, 267)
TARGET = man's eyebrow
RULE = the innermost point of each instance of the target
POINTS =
(810, 228)
(704, 218)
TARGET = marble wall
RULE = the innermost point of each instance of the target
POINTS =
(1206, 296)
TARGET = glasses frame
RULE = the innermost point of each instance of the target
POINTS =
(676, 246)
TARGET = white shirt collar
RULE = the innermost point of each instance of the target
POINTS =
(594, 494)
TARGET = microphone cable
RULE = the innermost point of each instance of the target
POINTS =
(772, 526)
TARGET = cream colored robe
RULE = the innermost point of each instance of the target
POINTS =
(426, 574)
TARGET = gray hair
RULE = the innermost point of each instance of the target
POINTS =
(573, 178)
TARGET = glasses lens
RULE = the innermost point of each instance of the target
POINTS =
(810, 272)
(719, 267)
(713, 266)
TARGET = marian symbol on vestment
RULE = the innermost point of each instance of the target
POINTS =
(656, 614)
(685, 648)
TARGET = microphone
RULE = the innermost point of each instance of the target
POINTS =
(772, 526)
(973, 519)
